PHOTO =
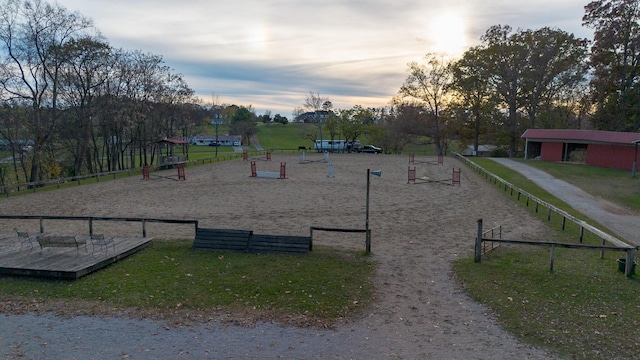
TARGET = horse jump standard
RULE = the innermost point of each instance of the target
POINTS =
(269, 174)
(455, 178)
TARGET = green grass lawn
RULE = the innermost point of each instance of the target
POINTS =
(585, 308)
(278, 136)
(167, 277)
(199, 152)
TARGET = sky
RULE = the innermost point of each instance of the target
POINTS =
(271, 54)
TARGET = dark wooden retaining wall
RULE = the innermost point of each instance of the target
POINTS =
(247, 241)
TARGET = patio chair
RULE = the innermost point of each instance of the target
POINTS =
(25, 239)
(100, 240)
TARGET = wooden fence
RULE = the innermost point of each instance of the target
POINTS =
(630, 251)
(584, 226)
(91, 219)
(247, 241)
(488, 246)
(618, 245)
(367, 232)
(34, 186)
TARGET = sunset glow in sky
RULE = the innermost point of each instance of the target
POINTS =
(271, 53)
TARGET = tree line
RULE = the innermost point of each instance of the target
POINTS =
(519, 79)
(72, 104)
(511, 81)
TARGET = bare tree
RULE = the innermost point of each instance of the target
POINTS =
(86, 70)
(428, 84)
(32, 34)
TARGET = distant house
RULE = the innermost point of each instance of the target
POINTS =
(483, 150)
(16, 144)
(608, 149)
(317, 116)
(223, 140)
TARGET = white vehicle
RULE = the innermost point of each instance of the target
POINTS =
(335, 145)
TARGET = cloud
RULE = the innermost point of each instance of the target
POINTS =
(271, 53)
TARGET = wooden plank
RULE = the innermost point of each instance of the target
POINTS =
(279, 243)
(563, 245)
(338, 229)
(221, 239)
(63, 262)
(246, 241)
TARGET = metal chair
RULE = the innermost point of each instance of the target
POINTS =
(25, 239)
(100, 240)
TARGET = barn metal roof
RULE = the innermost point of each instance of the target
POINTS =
(587, 136)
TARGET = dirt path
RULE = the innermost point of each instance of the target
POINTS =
(420, 311)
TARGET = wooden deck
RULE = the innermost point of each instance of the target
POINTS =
(62, 262)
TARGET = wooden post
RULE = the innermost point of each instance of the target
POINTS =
(311, 238)
(181, 175)
(581, 234)
(283, 170)
(478, 247)
(602, 251)
(90, 226)
(41, 227)
(368, 242)
(144, 228)
(628, 269)
(635, 159)
(366, 221)
(553, 249)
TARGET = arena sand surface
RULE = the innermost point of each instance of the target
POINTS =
(417, 231)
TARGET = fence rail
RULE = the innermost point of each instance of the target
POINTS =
(91, 219)
(367, 233)
(630, 251)
(488, 246)
(33, 186)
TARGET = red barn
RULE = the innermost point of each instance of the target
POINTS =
(609, 149)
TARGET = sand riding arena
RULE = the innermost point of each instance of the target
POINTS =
(417, 230)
